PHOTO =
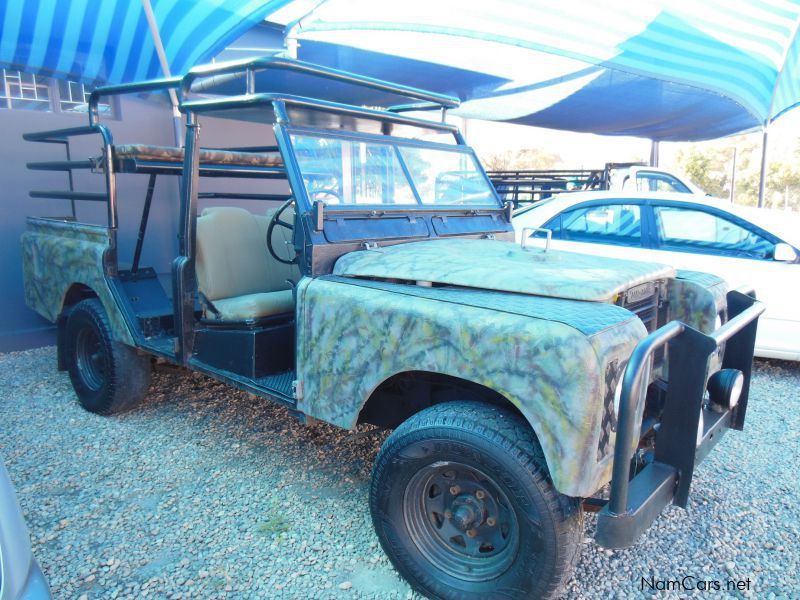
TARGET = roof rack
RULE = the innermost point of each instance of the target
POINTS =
(137, 87)
(215, 74)
(206, 77)
(247, 100)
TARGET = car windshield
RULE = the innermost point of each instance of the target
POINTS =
(342, 172)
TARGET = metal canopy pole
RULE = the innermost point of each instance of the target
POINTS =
(162, 59)
(291, 32)
(654, 153)
(762, 182)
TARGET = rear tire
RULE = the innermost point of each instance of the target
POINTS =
(464, 507)
(108, 376)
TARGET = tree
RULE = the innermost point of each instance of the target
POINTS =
(527, 158)
(701, 168)
(708, 164)
(783, 185)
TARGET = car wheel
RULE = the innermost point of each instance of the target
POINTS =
(108, 376)
(464, 507)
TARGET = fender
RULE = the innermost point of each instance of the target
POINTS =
(58, 254)
(354, 334)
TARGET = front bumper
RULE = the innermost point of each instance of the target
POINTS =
(636, 502)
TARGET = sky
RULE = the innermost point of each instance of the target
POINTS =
(576, 149)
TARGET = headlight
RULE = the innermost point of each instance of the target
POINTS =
(725, 388)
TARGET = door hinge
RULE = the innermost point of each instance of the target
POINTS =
(297, 389)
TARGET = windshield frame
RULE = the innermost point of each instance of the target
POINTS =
(284, 133)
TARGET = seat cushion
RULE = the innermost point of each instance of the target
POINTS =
(253, 306)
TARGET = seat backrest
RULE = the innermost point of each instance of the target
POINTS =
(232, 256)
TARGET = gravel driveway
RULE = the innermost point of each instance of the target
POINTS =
(207, 492)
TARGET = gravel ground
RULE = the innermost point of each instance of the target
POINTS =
(207, 492)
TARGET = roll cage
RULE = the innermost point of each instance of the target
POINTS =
(250, 90)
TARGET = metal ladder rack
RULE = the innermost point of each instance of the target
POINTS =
(63, 136)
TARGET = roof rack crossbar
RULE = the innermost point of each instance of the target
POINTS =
(249, 67)
(61, 165)
(244, 101)
(137, 87)
(414, 107)
(60, 136)
(69, 195)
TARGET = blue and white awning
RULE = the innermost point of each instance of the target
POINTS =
(672, 70)
(99, 41)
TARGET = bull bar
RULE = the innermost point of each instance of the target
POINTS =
(635, 502)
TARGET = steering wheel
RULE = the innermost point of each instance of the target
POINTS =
(276, 220)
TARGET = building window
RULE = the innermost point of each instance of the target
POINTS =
(35, 92)
(21, 90)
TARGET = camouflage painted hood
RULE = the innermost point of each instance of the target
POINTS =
(502, 266)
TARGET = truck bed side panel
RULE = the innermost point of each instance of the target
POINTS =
(56, 255)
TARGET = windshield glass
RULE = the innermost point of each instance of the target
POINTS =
(345, 172)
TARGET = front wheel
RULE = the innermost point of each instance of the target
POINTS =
(108, 376)
(464, 507)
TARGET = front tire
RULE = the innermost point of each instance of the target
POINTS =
(464, 507)
(108, 376)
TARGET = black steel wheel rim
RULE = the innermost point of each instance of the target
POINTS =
(461, 521)
(91, 358)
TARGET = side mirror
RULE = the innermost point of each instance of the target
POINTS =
(784, 252)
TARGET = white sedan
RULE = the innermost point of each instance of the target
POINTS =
(754, 247)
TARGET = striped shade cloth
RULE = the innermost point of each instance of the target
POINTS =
(671, 70)
(109, 41)
(677, 70)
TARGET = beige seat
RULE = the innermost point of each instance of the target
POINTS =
(235, 271)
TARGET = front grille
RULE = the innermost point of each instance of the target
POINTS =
(643, 301)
